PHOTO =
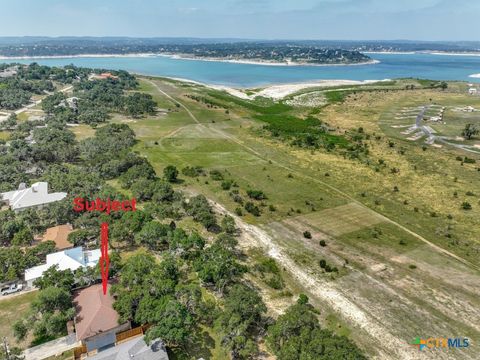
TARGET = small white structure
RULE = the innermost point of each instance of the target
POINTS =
(473, 91)
(36, 195)
(68, 259)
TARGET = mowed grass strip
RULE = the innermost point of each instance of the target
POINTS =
(341, 219)
(4, 135)
(11, 310)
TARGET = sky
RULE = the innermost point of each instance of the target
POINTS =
(253, 19)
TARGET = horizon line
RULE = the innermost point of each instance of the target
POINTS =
(223, 38)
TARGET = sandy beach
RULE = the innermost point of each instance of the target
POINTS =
(280, 91)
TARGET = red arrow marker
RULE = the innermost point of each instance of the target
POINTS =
(104, 259)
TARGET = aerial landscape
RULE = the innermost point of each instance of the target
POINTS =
(239, 180)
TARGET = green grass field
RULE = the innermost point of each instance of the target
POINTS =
(320, 191)
(4, 135)
(11, 310)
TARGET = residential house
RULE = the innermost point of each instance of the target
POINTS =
(102, 76)
(70, 259)
(59, 235)
(135, 349)
(9, 72)
(96, 322)
(36, 195)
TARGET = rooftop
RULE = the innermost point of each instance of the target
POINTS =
(135, 349)
(59, 234)
(35, 195)
(68, 259)
(94, 312)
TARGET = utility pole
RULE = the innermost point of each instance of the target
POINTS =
(7, 350)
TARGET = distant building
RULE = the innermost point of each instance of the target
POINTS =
(36, 195)
(70, 259)
(71, 102)
(473, 91)
(9, 72)
(102, 76)
(135, 349)
(59, 235)
(96, 322)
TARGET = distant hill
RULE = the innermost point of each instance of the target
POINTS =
(274, 51)
(224, 49)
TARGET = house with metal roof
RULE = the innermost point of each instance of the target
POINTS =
(136, 349)
(70, 259)
(36, 195)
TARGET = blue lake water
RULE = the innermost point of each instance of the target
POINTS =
(428, 66)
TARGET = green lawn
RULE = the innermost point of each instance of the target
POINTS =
(10, 311)
(4, 135)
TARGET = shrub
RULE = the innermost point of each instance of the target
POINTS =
(466, 205)
(256, 194)
(192, 171)
(227, 184)
(275, 282)
(170, 173)
(307, 235)
(252, 209)
(323, 243)
(216, 175)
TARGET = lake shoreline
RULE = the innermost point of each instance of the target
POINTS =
(260, 62)
(442, 53)
(185, 57)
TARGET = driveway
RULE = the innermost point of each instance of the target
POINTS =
(51, 348)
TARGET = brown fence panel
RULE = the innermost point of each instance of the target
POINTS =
(78, 351)
(129, 333)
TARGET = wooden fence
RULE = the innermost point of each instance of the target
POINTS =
(120, 337)
(125, 335)
(79, 351)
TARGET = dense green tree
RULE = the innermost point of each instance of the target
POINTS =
(131, 222)
(174, 325)
(53, 277)
(170, 173)
(297, 335)
(241, 320)
(138, 104)
(23, 237)
(201, 211)
(217, 267)
(82, 236)
(137, 172)
(48, 314)
(12, 263)
(153, 235)
(470, 131)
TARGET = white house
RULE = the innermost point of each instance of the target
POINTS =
(68, 259)
(36, 195)
(472, 91)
